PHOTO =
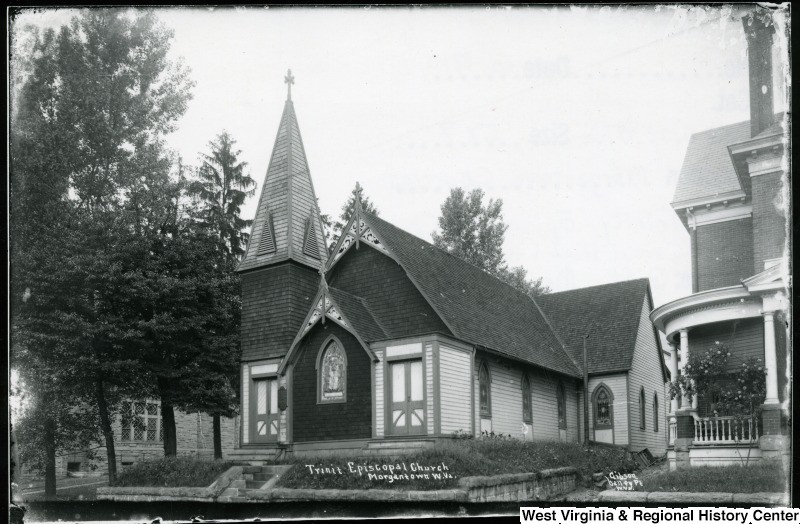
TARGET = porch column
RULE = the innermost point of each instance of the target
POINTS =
(685, 359)
(770, 358)
(673, 370)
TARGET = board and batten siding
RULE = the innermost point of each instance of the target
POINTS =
(379, 395)
(646, 372)
(454, 388)
(618, 386)
(427, 373)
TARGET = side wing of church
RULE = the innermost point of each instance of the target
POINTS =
(390, 343)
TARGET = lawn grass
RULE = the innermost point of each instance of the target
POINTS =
(172, 472)
(763, 476)
(462, 458)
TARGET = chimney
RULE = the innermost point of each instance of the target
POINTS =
(758, 28)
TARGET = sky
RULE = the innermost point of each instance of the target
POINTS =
(577, 118)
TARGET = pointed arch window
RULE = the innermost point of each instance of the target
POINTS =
(603, 402)
(267, 243)
(655, 412)
(642, 410)
(527, 414)
(561, 401)
(485, 390)
(332, 372)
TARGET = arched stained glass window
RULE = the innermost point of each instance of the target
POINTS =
(603, 407)
(484, 388)
(333, 373)
(527, 416)
(561, 400)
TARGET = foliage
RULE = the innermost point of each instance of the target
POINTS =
(189, 472)
(333, 230)
(763, 476)
(464, 457)
(91, 104)
(738, 392)
(222, 187)
(475, 232)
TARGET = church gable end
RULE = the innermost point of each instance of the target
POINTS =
(350, 418)
(391, 296)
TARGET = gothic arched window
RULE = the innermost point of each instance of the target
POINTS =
(332, 372)
(655, 412)
(561, 401)
(603, 407)
(527, 416)
(484, 387)
(642, 409)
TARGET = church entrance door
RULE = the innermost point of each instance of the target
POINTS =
(407, 406)
(264, 411)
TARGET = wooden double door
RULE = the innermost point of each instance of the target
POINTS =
(406, 397)
(264, 412)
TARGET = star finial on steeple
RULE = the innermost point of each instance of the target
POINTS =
(289, 80)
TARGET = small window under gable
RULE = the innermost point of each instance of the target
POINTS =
(310, 243)
(267, 243)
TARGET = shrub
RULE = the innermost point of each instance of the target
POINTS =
(764, 476)
(172, 472)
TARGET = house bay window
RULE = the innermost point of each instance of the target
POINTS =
(141, 422)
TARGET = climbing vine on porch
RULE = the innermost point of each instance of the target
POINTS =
(737, 391)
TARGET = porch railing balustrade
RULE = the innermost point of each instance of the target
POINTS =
(724, 430)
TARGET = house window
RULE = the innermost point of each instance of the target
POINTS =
(141, 421)
(333, 373)
(527, 416)
(561, 400)
(603, 407)
(485, 391)
(655, 412)
(642, 421)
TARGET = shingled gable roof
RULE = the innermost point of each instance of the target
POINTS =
(707, 170)
(610, 313)
(477, 307)
(287, 201)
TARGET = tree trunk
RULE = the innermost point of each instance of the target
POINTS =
(217, 436)
(50, 457)
(108, 432)
(168, 418)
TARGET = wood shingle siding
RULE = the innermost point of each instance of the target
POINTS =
(646, 372)
(454, 380)
(390, 295)
(334, 421)
(275, 301)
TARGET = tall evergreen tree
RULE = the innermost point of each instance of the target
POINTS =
(475, 232)
(222, 187)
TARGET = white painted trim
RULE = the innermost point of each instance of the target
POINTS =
(661, 314)
(263, 368)
(759, 143)
(745, 309)
(405, 349)
(715, 199)
(772, 262)
(702, 217)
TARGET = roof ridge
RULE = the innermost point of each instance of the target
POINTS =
(454, 257)
(608, 284)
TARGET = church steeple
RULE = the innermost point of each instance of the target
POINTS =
(287, 224)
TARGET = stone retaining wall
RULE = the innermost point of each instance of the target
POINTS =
(707, 498)
(545, 485)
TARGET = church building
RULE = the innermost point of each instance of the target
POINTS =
(388, 343)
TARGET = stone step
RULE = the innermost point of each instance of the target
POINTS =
(263, 477)
(254, 484)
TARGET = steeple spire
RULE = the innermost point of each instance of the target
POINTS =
(287, 224)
